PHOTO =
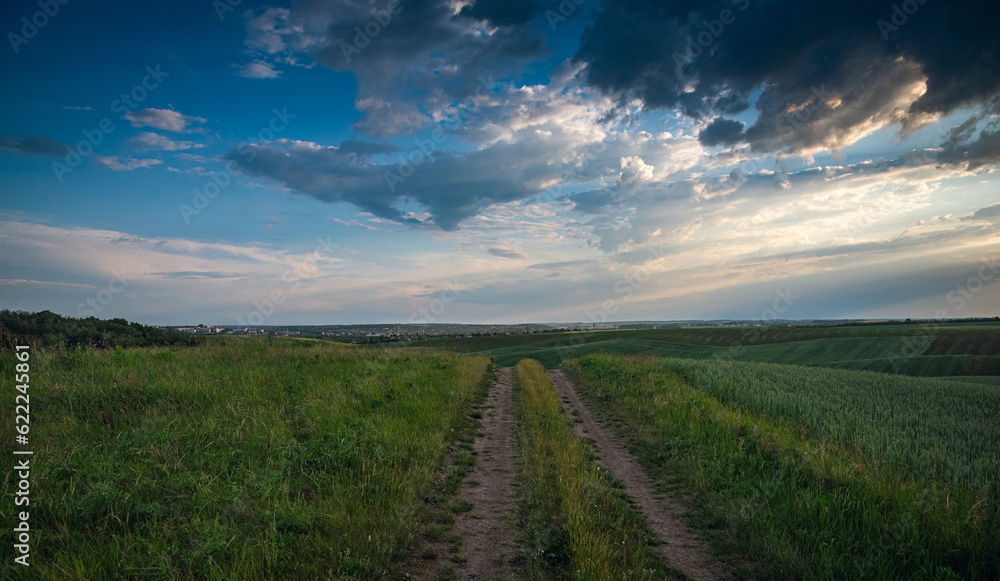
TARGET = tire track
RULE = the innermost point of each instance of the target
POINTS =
(488, 535)
(681, 548)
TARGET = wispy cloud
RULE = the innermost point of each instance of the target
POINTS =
(33, 144)
(507, 253)
(354, 223)
(155, 141)
(165, 119)
(125, 164)
(259, 69)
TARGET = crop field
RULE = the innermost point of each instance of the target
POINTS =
(940, 350)
(238, 461)
(817, 473)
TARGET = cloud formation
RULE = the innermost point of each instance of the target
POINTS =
(33, 144)
(411, 59)
(820, 75)
(165, 119)
(259, 69)
(155, 141)
(125, 164)
(507, 253)
(451, 187)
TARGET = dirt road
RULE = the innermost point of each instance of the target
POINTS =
(488, 539)
(681, 548)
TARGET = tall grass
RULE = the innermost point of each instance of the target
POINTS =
(765, 454)
(235, 461)
(579, 525)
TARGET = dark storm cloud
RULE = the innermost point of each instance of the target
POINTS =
(422, 58)
(827, 70)
(721, 132)
(33, 144)
(365, 147)
(450, 187)
(963, 146)
(502, 12)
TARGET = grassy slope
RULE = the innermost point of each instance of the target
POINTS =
(905, 349)
(237, 461)
(766, 454)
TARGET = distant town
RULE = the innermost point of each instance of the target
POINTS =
(384, 333)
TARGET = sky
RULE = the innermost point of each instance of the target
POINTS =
(236, 162)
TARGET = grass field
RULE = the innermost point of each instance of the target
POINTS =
(236, 461)
(942, 350)
(299, 459)
(814, 473)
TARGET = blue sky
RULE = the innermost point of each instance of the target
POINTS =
(496, 161)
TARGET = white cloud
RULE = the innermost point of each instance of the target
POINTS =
(354, 223)
(125, 164)
(276, 30)
(259, 69)
(155, 141)
(165, 119)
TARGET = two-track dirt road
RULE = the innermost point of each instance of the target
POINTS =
(488, 531)
(681, 548)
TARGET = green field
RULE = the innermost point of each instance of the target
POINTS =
(907, 349)
(977, 379)
(291, 459)
(807, 473)
(235, 461)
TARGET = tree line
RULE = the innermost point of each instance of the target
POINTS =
(47, 329)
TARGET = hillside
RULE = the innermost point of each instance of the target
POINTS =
(969, 349)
